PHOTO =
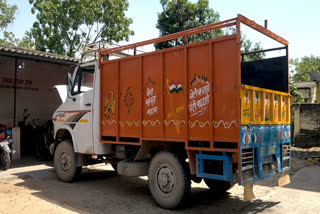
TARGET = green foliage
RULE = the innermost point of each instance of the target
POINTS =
(7, 13)
(296, 95)
(304, 67)
(180, 15)
(246, 46)
(27, 41)
(10, 40)
(65, 26)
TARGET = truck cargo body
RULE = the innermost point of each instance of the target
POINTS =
(203, 95)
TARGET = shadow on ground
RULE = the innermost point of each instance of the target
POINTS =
(304, 175)
(102, 191)
(30, 160)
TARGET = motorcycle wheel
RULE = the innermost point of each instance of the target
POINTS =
(5, 160)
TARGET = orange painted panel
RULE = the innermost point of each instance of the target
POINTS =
(199, 92)
(226, 92)
(175, 93)
(109, 99)
(157, 91)
(152, 96)
(129, 98)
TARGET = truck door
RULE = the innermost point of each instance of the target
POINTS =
(82, 101)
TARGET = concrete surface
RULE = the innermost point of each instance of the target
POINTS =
(31, 187)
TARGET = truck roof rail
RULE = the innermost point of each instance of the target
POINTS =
(184, 34)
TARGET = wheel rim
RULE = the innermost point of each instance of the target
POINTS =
(65, 161)
(166, 180)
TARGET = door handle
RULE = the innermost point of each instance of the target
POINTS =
(87, 104)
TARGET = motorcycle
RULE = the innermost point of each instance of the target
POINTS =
(36, 139)
(5, 147)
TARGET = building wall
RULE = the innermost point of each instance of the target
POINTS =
(309, 94)
(310, 91)
(35, 89)
(306, 125)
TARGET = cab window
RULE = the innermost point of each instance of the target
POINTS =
(83, 81)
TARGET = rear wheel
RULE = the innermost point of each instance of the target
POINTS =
(65, 162)
(218, 185)
(169, 180)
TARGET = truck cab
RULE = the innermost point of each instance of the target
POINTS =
(78, 116)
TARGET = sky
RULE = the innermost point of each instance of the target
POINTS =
(295, 20)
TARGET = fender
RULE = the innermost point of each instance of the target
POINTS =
(63, 128)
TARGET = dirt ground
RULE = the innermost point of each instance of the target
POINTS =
(32, 187)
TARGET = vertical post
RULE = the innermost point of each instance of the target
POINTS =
(287, 54)
(210, 77)
(272, 117)
(15, 91)
(186, 96)
(141, 99)
(118, 101)
(252, 105)
(100, 98)
(162, 96)
(280, 108)
(263, 106)
(288, 98)
(238, 75)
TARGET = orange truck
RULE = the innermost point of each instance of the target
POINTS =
(197, 111)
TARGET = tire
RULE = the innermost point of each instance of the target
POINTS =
(5, 160)
(218, 186)
(169, 180)
(65, 162)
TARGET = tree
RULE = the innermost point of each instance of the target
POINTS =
(302, 68)
(7, 13)
(296, 95)
(65, 26)
(7, 16)
(9, 39)
(180, 15)
(247, 46)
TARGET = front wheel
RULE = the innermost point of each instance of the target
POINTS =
(65, 162)
(169, 180)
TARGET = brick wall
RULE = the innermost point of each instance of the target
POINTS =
(306, 125)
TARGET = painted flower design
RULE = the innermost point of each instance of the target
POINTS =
(128, 99)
